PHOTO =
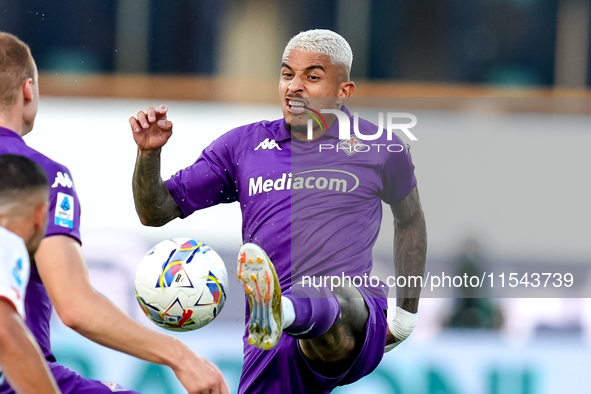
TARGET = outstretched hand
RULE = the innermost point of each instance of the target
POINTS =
(199, 376)
(151, 129)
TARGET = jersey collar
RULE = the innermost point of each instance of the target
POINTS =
(7, 133)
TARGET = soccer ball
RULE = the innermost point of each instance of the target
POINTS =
(181, 284)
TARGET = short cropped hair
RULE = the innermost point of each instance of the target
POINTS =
(323, 41)
(16, 65)
(19, 175)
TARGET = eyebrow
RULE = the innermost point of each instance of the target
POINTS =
(315, 67)
(307, 68)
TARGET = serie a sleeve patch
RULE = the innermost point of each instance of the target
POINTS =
(64, 210)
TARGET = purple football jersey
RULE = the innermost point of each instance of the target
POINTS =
(63, 219)
(315, 210)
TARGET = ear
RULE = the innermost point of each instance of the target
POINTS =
(28, 91)
(40, 217)
(345, 91)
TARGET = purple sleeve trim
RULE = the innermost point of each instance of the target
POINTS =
(74, 237)
(179, 197)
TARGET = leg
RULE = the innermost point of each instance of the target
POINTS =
(335, 351)
(341, 335)
(330, 325)
(317, 309)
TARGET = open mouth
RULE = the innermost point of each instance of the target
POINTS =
(296, 106)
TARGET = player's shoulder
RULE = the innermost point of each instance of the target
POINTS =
(388, 150)
(245, 136)
(64, 205)
(256, 129)
(369, 128)
(56, 172)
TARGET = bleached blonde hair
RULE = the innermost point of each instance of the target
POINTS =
(323, 41)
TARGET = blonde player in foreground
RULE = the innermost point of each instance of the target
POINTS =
(306, 213)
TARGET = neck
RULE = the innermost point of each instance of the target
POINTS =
(13, 120)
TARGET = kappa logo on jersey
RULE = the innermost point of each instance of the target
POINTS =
(63, 180)
(64, 210)
(268, 144)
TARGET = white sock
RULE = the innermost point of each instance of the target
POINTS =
(288, 312)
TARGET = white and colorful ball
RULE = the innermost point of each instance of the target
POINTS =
(181, 284)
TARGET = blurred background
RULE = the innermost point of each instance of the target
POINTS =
(507, 42)
(500, 91)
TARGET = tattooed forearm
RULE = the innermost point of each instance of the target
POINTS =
(153, 202)
(410, 249)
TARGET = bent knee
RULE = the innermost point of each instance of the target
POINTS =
(329, 348)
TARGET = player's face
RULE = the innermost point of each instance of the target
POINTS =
(310, 80)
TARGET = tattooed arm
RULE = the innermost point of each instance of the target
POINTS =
(410, 251)
(153, 202)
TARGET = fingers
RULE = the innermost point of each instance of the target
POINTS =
(157, 115)
(152, 115)
(135, 126)
(165, 125)
(142, 119)
(151, 129)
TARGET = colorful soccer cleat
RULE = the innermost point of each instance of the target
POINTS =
(261, 285)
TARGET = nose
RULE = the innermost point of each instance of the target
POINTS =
(296, 85)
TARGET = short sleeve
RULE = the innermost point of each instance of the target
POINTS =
(211, 180)
(398, 177)
(14, 270)
(64, 205)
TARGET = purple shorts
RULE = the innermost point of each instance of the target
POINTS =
(285, 370)
(72, 383)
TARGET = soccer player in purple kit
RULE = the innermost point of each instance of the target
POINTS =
(59, 275)
(23, 218)
(306, 213)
